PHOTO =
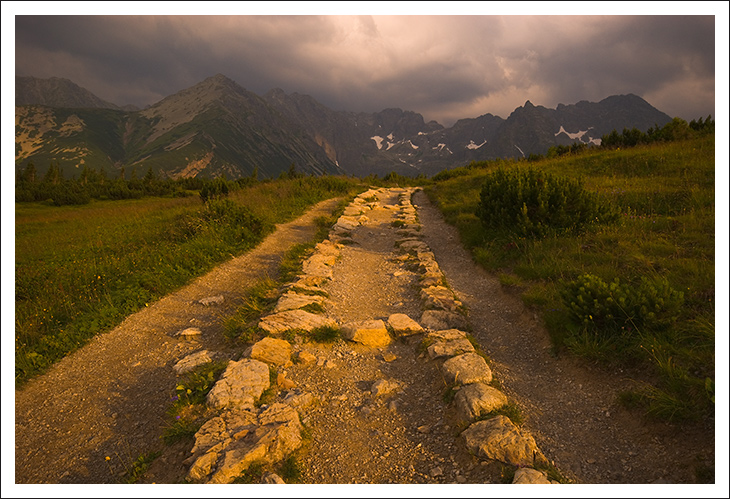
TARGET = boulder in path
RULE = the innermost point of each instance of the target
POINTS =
(294, 319)
(440, 297)
(499, 439)
(370, 333)
(272, 351)
(466, 369)
(437, 320)
(403, 325)
(448, 343)
(240, 384)
(228, 445)
(477, 399)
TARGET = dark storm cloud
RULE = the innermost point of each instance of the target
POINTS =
(445, 67)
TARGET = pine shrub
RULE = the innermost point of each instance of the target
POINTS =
(615, 306)
(532, 203)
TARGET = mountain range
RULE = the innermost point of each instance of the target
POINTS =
(218, 127)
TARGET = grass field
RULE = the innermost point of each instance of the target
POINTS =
(81, 270)
(666, 197)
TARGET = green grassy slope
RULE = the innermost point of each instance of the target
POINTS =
(666, 197)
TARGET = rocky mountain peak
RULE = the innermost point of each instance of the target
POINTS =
(56, 92)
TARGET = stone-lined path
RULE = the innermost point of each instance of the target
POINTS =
(392, 401)
(372, 402)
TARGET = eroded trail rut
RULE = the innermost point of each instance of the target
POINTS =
(386, 403)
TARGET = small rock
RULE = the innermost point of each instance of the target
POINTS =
(212, 300)
(437, 471)
(389, 357)
(189, 332)
(529, 475)
(384, 387)
(272, 478)
(284, 383)
(329, 364)
(192, 361)
(424, 429)
(306, 358)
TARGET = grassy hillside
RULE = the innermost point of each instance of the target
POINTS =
(81, 270)
(660, 252)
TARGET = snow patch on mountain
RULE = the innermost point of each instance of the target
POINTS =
(378, 141)
(578, 135)
(440, 147)
(472, 145)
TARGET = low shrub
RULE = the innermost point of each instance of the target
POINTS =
(652, 303)
(532, 203)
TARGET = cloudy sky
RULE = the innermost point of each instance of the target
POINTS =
(445, 67)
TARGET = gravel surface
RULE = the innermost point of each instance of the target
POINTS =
(110, 398)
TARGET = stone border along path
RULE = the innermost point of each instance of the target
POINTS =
(226, 445)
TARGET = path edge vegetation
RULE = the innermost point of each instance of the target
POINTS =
(117, 257)
(632, 285)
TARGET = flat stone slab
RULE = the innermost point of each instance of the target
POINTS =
(241, 438)
(294, 301)
(240, 384)
(272, 351)
(477, 399)
(347, 223)
(448, 343)
(466, 369)
(442, 319)
(499, 439)
(192, 361)
(413, 246)
(384, 387)
(319, 265)
(403, 325)
(294, 319)
(370, 333)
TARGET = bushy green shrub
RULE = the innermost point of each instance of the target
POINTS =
(652, 303)
(532, 203)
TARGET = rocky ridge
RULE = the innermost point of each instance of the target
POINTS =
(360, 395)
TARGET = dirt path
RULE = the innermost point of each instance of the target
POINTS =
(111, 396)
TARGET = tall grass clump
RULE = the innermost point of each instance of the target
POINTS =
(637, 291)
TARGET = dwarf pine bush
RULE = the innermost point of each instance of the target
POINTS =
(652, 303)
(531, 203)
